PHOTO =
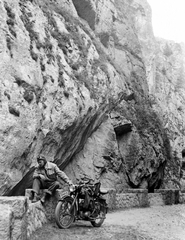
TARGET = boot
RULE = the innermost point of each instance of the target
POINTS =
(35, 198)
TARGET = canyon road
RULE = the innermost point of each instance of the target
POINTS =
(154, 223)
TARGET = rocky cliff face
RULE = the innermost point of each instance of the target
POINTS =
(86, 83)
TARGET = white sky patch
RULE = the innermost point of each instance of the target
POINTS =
(168, 19)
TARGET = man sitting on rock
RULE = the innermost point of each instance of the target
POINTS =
(46, 177)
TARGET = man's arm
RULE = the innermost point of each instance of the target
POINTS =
(62, 175)
(36, 173)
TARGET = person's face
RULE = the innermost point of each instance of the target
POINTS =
(41, 163)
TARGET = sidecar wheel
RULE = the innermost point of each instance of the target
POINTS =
(100, 219)
(64, 216)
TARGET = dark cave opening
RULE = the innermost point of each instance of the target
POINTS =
(155, 179)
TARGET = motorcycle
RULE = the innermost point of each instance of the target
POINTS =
(84, 202)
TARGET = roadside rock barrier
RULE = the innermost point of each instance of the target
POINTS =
(20, 218)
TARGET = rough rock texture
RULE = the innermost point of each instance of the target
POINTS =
(167, 91)
(19, 218)
(13, 218)
(87, 84)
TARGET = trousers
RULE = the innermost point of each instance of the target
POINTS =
(38, 184)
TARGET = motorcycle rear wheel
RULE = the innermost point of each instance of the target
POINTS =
(64, 215)
(100, 218)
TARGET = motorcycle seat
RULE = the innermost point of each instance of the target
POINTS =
(103, 191)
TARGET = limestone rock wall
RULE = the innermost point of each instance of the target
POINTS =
(82, 82)
(167, 90)
(56, 89)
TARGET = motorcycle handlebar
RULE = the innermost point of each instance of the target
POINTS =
(75, 186)
(82, 183)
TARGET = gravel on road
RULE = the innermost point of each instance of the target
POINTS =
(154, 223)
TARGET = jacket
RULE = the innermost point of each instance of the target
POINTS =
(50, 172)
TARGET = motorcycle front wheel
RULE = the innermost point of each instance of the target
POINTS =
(64, 213)
(100, 218)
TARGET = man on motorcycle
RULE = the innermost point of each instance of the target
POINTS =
(46, 177)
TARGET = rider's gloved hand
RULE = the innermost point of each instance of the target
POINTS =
(71, 186)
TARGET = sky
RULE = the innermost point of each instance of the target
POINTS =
(168, 19)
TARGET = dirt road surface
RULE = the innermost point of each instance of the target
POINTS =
(154, 223)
